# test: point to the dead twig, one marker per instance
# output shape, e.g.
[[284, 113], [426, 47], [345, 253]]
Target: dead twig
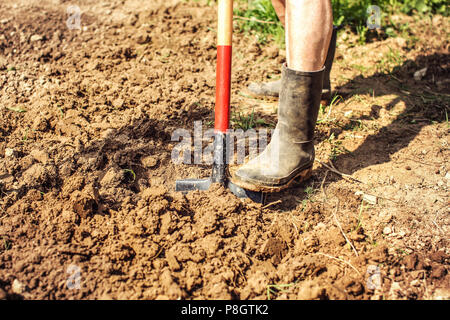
[[342, 231], [321, 185], [346, 176], [433, 164], [253, 20], [340, 260], [271, 204], [157, 254]]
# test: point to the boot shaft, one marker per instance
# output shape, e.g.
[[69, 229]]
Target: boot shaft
[[299, 103]]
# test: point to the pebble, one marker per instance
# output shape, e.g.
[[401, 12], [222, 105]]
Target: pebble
[[387, 230], [370, 199], [419, 74], [9, 152], [17, 287], [149, 161], [36, 37]]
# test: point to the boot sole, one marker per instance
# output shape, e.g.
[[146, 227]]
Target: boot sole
[[304, 175]]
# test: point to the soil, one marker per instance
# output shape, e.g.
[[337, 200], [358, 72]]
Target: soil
[[87, 202]]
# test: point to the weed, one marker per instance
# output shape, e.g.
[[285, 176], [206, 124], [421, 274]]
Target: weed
[[390, 61], [17, 109], [276, 288], [335, 99], [6, 243], [336, 147], [132, 173], [25, 136], [259, 18], [246, 122]]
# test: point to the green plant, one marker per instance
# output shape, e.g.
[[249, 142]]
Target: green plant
[[390, 61], [6, 243], [276, 288], [259, 18], [132, 173], [246, 122], [17, 109]]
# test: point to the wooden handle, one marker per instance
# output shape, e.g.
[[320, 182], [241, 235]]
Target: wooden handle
[[223, 71], [225, 23]]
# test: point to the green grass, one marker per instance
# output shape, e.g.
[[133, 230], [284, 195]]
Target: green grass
[[6, 243], [17, 109], [273, 289], [245, 122], [132, 173], [258, 18]]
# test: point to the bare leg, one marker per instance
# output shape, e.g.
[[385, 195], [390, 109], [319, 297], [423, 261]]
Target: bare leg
[[280, 9], [309, 25]]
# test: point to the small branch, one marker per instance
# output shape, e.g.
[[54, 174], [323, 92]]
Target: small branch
[[271, 204], [342, 231], [347, 176], [321, 185], [338, 259], [253, 20]]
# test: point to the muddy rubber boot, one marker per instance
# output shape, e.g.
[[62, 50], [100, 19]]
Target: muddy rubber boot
[[272, 89], [290, 153]]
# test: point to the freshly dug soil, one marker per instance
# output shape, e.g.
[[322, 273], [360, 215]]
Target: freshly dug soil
[[87, 202]]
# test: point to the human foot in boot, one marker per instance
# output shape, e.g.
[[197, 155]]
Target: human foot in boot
[[272, 89], [290, 153]]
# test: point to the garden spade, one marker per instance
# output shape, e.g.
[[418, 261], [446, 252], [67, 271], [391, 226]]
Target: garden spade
[[222, 112]]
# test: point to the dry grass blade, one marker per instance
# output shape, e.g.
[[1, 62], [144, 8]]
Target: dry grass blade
[[340, 260], [332, 169], [342, 231], [253, 20], [271, 204]]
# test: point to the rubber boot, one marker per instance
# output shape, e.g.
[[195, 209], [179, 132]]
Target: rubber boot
[[290, 153], [272, 89]]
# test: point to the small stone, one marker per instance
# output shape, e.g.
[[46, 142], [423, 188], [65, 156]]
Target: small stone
[[447, 176], [401, 41], [149, 161], [408, 168], [419, 74], [9, 152], [143, 38], [401, 234], [387, 230], [118, 103], [348, 114], [370, 199], [36, 37], [17, 287]]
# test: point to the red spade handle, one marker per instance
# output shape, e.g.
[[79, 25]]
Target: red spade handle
[[223, 70]]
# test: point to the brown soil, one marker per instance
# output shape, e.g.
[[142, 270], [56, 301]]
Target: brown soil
[[86, 177]]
